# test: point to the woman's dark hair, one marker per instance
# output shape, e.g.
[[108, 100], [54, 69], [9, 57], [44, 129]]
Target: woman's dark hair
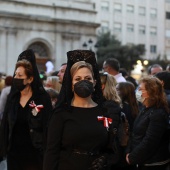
[[155, 91], [27, 66], [8, 81], [165, 77], [27, 58], [127, 90], [113, 63]]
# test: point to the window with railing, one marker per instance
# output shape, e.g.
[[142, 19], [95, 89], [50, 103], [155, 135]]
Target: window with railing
[[130, 9], [153, 48], [142, 11], [105, 26], [153, 13], [153, 31], [117, 27], [117, 7], [105, 6], [142, 29], [130, 27]]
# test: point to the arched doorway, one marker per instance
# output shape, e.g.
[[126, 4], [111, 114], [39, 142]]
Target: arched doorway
[[42, 54]]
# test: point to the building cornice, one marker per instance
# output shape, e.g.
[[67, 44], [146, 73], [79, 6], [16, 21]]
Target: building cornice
[[66, 6], [46, 19]]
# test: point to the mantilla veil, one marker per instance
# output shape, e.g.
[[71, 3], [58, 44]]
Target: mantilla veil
[[37, 88], [66, 93], [36, 84]]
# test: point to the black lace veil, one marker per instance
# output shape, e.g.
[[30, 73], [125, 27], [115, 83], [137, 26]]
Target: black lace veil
[[66, 93], [36, 85]]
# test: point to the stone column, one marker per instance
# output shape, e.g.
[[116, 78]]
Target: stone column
[[59, 51], [10, 51], [3, 50]]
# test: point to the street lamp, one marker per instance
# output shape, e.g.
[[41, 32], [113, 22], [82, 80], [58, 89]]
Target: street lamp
[[145, 62], [88, 45]]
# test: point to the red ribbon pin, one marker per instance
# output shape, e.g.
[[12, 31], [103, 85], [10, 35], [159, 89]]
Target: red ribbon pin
[[105, 120], [37, 107]]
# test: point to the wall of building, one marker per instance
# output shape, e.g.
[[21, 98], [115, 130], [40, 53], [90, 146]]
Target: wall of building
[[135, 22], [60, 25]]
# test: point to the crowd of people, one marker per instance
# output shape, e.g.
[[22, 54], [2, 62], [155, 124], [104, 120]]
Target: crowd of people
[[83, 119]]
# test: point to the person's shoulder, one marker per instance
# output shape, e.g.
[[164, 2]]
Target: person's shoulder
[[63, 109], [158, 113], [112, 107], [60, 113], [42, 96], [120, 78], [110, 103]]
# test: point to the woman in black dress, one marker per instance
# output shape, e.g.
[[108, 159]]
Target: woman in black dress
[[23, 130], [78, 130]]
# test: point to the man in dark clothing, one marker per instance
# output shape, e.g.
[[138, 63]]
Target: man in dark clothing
[[164, 76]]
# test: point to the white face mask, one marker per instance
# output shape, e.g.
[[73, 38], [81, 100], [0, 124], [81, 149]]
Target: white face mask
[[139, 96]]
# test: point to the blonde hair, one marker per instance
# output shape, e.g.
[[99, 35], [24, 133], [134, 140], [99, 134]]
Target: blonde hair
[[109, 91], [80, 64], [54, 82]]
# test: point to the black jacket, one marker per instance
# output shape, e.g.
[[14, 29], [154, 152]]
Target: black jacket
[[149, 141], [37, 124]]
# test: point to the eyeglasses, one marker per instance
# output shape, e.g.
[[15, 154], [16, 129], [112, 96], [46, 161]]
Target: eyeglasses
[[141, 89]]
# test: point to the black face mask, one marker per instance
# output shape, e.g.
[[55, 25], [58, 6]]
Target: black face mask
[[19, 84], [83, 88]]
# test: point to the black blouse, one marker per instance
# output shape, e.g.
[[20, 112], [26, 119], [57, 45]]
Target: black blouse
[[21, 140], [76, 130]]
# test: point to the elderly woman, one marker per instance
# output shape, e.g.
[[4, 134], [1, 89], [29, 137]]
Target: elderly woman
[[148, 148]]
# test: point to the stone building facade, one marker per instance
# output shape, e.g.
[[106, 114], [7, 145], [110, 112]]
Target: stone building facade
[[53, 27], [50, 28]]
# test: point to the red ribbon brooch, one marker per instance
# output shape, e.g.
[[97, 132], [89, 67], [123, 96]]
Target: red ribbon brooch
[[36, 108], [107, 121]]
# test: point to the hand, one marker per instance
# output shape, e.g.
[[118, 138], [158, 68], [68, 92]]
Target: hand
[[127, 158], [98, 163]]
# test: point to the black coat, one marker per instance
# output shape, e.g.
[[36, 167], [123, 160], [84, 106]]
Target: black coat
[[149, 141], [37, 124]]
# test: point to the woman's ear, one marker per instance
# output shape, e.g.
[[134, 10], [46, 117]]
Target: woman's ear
[[94, 83], [162, 82], [103, 86], [31, 79]]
